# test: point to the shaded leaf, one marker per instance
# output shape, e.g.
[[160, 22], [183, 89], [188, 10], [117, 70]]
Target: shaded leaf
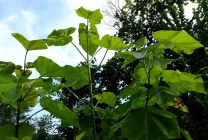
[[155, 124], [141, 42], [59, 110]]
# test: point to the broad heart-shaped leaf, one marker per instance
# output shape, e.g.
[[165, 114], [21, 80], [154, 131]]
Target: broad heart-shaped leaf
[[59, 110], [8, 131], [131, 56], [111, 43], [155, 72], [151, 124], [60, 37], [181, 40], [94, 17], [183, 82], [7, 67], [108, 98], [141, 42], [46, 67], [30, 45], [76, 77], [8, 88], [92, 35]]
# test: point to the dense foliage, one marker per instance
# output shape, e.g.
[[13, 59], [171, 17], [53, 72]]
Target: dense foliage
[[138, 112]]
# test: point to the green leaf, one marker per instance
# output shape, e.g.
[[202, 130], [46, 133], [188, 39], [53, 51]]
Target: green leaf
[[25, 130], [165, 96], [182, 41], [111, 43], [7, 67], [131, 56], [30, 45], [60, 111], [76, 77], [94, 17], [132, 89], [46, 67], [108, 98], [8, 88], [155, 124], [183, 82], [10, 138], [141, 75], [60, 37], [92, 35], [122, 109], [7, 130], [80, 136], [141, 42], [186, 134]]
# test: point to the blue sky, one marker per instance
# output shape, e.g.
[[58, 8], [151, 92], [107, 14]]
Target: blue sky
[[35, 19]]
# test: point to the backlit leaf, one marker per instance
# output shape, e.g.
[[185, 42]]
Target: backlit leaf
[[108, 98], [59, 110]]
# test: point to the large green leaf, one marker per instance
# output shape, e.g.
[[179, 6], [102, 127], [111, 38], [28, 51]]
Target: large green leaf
[[151, 124], [111, 43], [94, 17], [92, 35], [46, 67], [60, 37], [142, 75], [181, 40], [59, 110], [183, 82], [10, 138], [108, 98], [76, 77], [30, 45], [8, 88]]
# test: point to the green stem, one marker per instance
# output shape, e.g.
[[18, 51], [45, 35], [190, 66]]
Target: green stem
[[32, 115], [79, 51], [90, 84], [25, 63], [148, 90]]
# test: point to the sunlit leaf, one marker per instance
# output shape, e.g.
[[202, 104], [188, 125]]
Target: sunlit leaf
[[30, 45], [108, 98], [141, 42], [46, 67], [92, 35], [60, 37], [183, 82], [182, 41], [94, 17], [111, 43]]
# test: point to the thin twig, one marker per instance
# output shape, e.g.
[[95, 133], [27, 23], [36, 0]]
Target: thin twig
[[75, 95]]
